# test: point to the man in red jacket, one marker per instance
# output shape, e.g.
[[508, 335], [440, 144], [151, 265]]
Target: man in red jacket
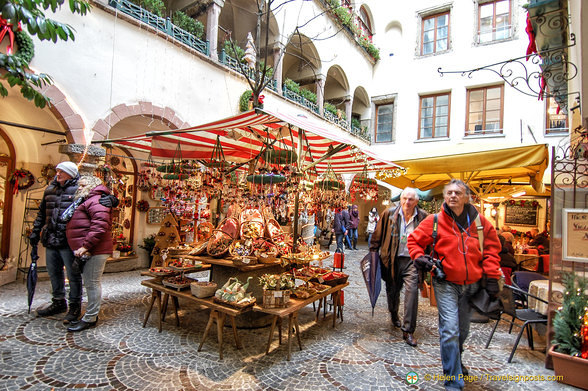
[[458, 247]]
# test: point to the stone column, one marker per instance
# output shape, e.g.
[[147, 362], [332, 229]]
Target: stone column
[[75, 152], [212, 15], [278, 66], [320, 92], [348, 109]]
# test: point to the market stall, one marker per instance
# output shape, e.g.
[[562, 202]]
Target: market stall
[[242, 196]]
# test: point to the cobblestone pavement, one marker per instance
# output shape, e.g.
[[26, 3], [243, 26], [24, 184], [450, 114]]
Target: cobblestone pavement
[[361, 353]]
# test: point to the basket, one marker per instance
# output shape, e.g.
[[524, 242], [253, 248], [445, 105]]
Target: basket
[[229, 226], [274, 230], [267, 259], [275, 299], [203, 289], [244, 261], [240, 248], [199, 248], [204, 230], [219, 243], [252, 229], [179, 251], [233, 304], [174, 285]]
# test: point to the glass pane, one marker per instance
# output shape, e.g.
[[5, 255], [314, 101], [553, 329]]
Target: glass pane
[[441, 45], [427, 122], [442, 32], [428, 24], [441, 131], [486, 10], [428, 48], [476, 95], [426, 132], [442, 20], [493, 116], [442, 100], [441, 110], [442, 120], [502, 7], [493, 104], [427, 112], [429, 36], [384, 127], [493, 93], [476, 107], [427, 102], [493, 126]]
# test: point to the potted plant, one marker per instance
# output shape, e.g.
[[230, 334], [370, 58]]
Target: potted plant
[[276, 289], [148, 244], [570, 341]]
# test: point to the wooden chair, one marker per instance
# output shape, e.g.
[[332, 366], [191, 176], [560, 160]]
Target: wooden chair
[[526, 315]]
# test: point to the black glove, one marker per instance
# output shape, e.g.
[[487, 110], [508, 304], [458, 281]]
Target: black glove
[[423, 263], [109, 201], [492, 287], [77, 265]]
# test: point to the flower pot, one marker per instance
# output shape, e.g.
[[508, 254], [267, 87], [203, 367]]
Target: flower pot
[[572, 369]]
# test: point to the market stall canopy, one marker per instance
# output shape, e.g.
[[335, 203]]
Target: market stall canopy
[[486, 171], [244, 136]]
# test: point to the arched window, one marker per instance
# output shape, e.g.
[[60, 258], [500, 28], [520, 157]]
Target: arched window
[[364, 22]]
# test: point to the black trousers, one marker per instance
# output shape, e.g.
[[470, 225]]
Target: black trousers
[[405, 275]]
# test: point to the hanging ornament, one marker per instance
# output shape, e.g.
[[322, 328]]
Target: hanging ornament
[[21, 180], [584, 335], [250, 53]]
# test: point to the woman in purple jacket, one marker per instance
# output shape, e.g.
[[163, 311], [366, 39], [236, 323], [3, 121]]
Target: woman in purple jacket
[[89, 236]]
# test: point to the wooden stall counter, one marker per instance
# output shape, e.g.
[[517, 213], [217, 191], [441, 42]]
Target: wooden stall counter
[[218, 312], [291, 311]]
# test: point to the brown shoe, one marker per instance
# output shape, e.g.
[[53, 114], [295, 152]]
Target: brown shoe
[[409, 338]]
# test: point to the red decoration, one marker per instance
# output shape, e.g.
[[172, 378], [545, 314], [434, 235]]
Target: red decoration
[[532, 48], [21, 180], [584, 335], [142, 206], [7, 28], [260, 98]]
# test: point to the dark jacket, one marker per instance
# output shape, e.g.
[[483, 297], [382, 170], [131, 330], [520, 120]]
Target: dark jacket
[[48, 226], [386, 237], [90, 225], [463, 262], [354, 217], [346, 219], [339, 224]]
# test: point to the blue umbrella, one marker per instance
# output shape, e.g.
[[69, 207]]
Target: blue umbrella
[[372, 274], [32, 276]]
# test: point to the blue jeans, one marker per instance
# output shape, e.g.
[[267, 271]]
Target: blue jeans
[[56, 259], [340, 245], [454, 325], [92, 281]]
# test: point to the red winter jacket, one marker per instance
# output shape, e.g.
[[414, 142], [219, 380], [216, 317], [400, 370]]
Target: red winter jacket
[[90, 225], [461, 266]]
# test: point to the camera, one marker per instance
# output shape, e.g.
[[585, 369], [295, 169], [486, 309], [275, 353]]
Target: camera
[[437, 268]]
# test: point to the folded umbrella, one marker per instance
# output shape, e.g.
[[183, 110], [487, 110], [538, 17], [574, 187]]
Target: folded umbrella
[[32, 276], [370, 268]]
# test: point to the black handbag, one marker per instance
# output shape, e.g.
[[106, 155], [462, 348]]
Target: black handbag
[[486, 305]]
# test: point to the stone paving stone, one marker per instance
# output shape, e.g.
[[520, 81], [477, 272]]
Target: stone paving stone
[[362, 353]]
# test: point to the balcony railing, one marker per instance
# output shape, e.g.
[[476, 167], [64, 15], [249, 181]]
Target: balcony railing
[[162, 24], [294, 97], [233, 63], [342, 122]]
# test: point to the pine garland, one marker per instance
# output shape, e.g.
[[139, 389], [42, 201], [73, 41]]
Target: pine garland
[[568, 318]]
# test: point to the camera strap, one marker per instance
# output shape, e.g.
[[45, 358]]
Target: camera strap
[[480, 229], [434, 235]]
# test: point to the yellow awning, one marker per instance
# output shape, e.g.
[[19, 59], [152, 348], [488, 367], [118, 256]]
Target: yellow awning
[[485, 171]]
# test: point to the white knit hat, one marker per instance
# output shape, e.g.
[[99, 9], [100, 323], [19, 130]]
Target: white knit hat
[[69, 168]]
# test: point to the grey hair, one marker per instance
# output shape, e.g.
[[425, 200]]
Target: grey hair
[[459, 183], [410, 190]]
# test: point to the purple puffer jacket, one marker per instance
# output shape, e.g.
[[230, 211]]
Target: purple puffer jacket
[[90, 225]]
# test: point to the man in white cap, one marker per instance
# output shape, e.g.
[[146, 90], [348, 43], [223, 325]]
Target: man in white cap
[[50, 230]]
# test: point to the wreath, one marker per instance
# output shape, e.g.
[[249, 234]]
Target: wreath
[[142, 206], [21, 180], [48, 172]]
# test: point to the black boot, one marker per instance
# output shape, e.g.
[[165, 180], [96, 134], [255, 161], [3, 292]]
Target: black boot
[[56, 307], [355, 244], [82, 325], [74, 313]]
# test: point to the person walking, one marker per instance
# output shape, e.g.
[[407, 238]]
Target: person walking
[[340, 229], [49, 229], [345, 212], [460, 228], [89, 234], [353, 225], [373, 218], [398, 270]]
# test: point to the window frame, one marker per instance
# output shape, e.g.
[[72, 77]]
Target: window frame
[[378, 106], [548, 129], [510, 21], [484, 131], [435, 96], [365, 24], [435, 16]]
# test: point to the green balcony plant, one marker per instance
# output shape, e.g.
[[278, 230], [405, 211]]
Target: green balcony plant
[[237, 53], [292, 86], [188, 24], [309, 95]]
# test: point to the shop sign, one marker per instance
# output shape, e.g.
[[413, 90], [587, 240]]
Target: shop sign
[[575, 235]]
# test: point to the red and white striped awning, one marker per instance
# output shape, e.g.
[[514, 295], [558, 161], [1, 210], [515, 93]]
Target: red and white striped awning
[[243, 136]]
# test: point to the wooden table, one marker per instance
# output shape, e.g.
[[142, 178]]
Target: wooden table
[[291, 310], [218, 312], [526, 261]]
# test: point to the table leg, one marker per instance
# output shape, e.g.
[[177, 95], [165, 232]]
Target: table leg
[[237, 340], [318, 312], [220, 322], [271, 334], [335, 304], [176, 304], [211, 318], [164, 306], [290, 321], [159, 304], [279, 330], [153, 298], [297, 330]]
